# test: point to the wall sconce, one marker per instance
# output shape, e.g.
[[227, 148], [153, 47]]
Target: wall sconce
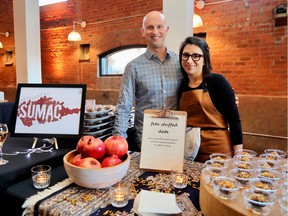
[[7, 35], [197, 21], [74, 35]]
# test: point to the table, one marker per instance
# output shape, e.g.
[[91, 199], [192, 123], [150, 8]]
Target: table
[[69, 199], [18, 151]]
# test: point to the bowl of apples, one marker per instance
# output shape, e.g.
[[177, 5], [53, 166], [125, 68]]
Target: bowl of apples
[[96, 163]]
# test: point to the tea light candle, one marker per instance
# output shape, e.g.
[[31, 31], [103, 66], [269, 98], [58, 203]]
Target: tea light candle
[[119, 194], [179, 179], [41, 176]]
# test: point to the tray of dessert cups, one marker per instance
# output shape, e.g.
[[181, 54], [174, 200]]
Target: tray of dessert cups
[[99, 111], [99, 121]]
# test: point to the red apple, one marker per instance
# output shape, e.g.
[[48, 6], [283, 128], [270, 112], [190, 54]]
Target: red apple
[[90, 162], [116, 145], [94, 148], [82, 141], [76, 159]]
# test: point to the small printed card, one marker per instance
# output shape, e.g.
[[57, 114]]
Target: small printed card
[[163, 140], [155, 203]]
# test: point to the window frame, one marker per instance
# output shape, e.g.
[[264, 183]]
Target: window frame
[[114, 50]]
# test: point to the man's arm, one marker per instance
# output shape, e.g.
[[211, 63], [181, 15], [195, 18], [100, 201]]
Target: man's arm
[[124, 103]]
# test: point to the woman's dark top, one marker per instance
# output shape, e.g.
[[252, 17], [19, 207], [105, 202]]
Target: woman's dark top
[[223, 98]]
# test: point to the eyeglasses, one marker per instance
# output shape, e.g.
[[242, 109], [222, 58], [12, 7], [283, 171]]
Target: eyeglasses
[[194, 56]]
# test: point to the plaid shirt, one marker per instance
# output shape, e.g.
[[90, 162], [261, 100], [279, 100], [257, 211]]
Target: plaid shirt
[[147, 83]]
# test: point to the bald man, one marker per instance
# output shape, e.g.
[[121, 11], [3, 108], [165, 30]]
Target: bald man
[[150, 81]]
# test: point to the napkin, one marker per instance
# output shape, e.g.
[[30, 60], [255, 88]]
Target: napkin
[[151, 203]]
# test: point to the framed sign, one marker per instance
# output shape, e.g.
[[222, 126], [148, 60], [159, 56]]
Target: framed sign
[[49, 110], [163, 140]]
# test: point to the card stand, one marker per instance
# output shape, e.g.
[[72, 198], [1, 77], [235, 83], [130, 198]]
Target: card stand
[[52, 140]]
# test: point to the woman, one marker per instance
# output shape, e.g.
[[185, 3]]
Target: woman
[[209, 101]]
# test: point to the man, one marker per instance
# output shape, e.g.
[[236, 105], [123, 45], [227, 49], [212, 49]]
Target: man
[[150, 81]]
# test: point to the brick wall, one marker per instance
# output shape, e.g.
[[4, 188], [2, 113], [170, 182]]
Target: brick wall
[[245, 45]]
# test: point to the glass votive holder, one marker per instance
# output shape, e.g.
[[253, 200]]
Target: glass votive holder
[[41, 175], [179, 178], [119, 194]]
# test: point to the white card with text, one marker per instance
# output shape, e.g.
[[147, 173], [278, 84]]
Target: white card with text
[[163, 140]]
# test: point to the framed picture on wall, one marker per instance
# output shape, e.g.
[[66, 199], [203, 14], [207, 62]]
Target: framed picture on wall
[[49, 110]]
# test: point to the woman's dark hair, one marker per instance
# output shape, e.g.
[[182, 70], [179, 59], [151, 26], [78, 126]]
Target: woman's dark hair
[[207, 67]]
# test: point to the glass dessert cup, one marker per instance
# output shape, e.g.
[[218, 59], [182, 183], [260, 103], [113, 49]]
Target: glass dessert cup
[[267, 164], [269, 174], [264, 185], [244, 158], [209, 173], [277, 152], [284, 188], [257, 202], [284, 167], [215, 164], [225, 187], [246, 152], [283, 203], [219, 158], [238, 164], [271, 157], [242, 176]]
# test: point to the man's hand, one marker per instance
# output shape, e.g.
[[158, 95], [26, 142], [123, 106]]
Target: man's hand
[[237, 101]]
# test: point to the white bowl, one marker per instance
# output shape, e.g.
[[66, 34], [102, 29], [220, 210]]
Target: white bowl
[[95, 178]]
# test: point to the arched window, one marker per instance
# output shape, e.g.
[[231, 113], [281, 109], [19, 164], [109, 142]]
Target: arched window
[[113, 62]]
